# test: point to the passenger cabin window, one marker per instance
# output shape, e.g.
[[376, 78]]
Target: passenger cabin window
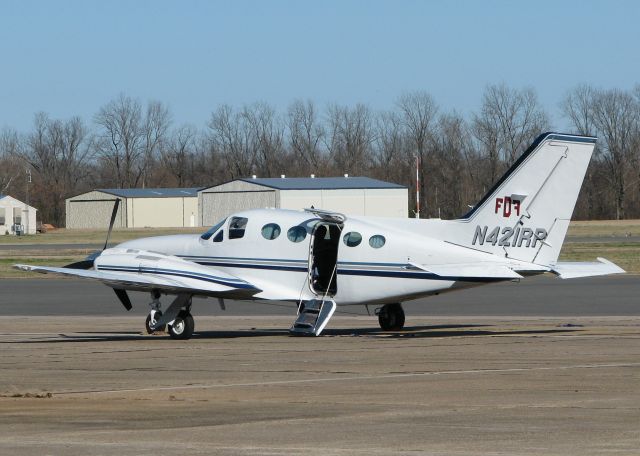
[[376, 241], [271, 231], [2, 212], [352, 239], [237, 226], [297, 233], [211, 231]]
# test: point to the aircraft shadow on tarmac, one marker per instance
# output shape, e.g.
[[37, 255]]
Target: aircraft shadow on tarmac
[[409, 332]]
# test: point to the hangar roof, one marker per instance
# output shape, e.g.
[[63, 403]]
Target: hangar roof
[[151, 192], [320, 183]]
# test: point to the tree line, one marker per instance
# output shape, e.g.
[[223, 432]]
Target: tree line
[[129, 144]]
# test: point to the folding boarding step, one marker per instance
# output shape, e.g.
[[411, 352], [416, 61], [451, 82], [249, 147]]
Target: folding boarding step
[[314, 317]]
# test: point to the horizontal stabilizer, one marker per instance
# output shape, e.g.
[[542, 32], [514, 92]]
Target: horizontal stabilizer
[[573, 270], [480, 270]]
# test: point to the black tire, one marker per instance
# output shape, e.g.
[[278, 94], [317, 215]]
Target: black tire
[[157, 314], [182, 327], [391, 317]]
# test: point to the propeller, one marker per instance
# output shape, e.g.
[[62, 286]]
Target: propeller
[[87, 263]]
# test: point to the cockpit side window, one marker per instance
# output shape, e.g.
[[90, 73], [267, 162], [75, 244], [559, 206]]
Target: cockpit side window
[[237, 227], [211, 231], [219, 237]]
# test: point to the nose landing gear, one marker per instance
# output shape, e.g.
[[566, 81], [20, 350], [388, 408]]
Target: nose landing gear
[[391, 317], [155, 313]]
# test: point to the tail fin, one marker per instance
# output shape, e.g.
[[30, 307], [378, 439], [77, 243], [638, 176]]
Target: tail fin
[[525, 216]]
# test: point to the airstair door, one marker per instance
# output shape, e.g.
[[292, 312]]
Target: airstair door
[[323, 259], [314, 316]]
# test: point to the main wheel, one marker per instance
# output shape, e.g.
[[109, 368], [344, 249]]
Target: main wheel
[[182, 327], [391, 317], [153, 317]]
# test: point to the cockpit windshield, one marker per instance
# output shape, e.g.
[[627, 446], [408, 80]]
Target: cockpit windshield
[[211, 231]]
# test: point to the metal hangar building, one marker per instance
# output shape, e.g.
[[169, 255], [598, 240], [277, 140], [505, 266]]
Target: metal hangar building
[[349, 195], [139, 208]]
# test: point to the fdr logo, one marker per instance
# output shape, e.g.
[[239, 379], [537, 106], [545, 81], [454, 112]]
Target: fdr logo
[[506, 206]]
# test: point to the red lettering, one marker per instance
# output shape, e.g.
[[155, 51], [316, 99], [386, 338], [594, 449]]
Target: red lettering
[[507, 207], [498, 204], [516, 205]]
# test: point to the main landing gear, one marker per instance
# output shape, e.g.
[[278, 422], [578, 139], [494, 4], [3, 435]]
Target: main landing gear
[[391, 317], [177, 317]]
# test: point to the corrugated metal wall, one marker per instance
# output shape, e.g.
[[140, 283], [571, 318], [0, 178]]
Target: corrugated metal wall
[[216, 203], [93, 210]]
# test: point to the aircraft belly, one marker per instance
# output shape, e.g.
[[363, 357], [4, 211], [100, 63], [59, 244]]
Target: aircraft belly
[[371, 290]]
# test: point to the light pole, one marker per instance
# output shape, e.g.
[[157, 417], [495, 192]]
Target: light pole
[[26, 224], [417, 186]]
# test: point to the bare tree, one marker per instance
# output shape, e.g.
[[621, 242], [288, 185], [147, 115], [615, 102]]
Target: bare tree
[[453, 175], [230, 136], [178, 154], [156, 124], [613, 115], [128, 140], [616, 117], [350, 137], [265, 131], [418, 111], [10, 163], [58, 151], [508, 122], [577, 106], [306, 134]]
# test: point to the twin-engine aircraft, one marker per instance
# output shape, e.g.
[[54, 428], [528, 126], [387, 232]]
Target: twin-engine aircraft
[[320, 259]]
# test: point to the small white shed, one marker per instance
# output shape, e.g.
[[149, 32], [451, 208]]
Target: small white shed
[[16, 217]]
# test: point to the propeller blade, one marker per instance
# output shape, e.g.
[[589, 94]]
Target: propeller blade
[[113, 219], [123, 297]]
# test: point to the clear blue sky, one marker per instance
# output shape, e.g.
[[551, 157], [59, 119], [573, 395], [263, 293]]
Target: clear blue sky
[[71, 57]]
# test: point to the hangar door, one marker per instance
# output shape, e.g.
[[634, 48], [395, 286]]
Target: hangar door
[[218, 205], [93, 214]]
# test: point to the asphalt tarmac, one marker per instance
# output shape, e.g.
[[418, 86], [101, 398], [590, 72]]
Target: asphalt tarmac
[[544, 366], [74, 386], [537, 296]]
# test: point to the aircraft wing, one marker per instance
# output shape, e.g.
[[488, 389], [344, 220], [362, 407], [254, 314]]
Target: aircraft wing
[[573, 270], [479, 270], [145, 271]]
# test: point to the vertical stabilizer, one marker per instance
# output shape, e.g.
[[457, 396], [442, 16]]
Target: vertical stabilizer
[[525, 216]]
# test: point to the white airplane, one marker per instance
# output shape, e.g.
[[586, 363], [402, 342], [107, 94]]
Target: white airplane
[[318, 259]]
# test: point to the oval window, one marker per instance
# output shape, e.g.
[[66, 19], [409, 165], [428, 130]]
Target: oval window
[[297, 233], [352, 239], [376, 241], [271, 231]]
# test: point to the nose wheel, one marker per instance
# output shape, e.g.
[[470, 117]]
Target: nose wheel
[[391, 317], [151, 321]]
